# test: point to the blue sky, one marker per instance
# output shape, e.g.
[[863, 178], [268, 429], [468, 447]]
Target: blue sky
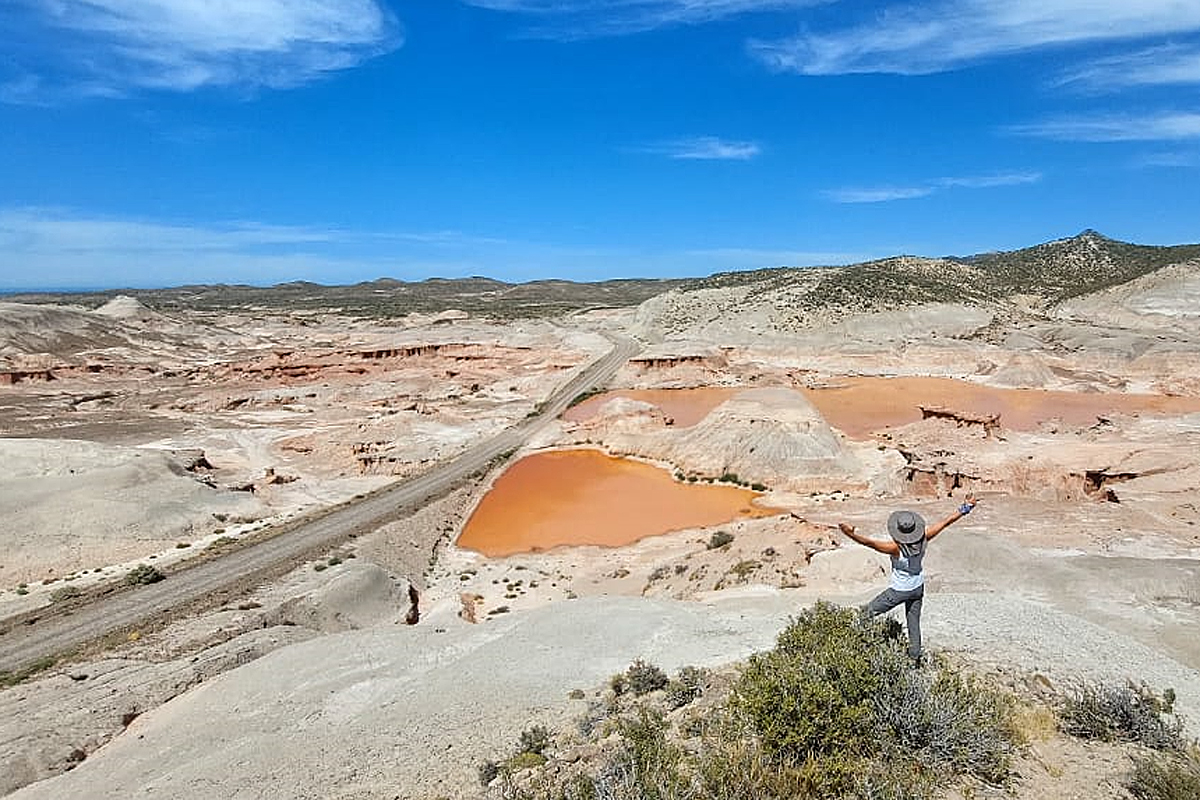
[[161, 142]]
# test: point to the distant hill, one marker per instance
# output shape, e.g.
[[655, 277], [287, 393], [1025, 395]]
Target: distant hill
[[1077, 266], [387, 297], [1053, 271]]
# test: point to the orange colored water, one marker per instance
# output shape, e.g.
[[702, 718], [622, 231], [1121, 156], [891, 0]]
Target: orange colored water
[[860, 405], [685, 406], [576, 497]]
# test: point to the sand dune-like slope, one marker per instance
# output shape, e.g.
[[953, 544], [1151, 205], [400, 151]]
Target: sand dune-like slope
[[71, 505]]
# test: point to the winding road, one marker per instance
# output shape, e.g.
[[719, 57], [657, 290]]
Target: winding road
[[54, 632]]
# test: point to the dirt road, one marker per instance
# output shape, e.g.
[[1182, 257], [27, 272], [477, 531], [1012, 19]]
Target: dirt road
[[53, 632]]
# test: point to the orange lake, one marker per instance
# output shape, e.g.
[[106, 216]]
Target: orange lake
[[858, 406], [585, 497]]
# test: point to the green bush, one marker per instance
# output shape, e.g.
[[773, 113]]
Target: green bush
[[719, 539], [814, 693], [646, 765], [952, 721], [64, 593], [838, 683], [834, 712], [524, 760], [534, 740], [1165, 777], [685, 688], [1129, 713], [143, 574], [643, 678]]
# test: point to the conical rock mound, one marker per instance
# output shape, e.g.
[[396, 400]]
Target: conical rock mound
[[1024, 371], [125, 307], [771, 436]]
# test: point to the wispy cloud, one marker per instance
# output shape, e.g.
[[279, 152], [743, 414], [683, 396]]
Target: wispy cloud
[[912, 39], [1156, 66], [112, 47], [1172, 126], [884, 194], [989, 181], [705, 148], [877, 194], [575, 19], [1169, 159], [62, 248]]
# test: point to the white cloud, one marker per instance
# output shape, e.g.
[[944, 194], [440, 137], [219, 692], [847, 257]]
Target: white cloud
[[57, 248], [989, 181], [1156, 66], [109, 47], [706, 148], [60, 248], [919, 39], [585, 18], [878, 194], [1177, 159], [1172, 126], [884, 194]]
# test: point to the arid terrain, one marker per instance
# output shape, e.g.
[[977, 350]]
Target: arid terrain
[[1059, 384]]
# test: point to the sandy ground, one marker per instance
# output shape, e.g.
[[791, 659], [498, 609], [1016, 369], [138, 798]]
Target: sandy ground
[[1081, 562], [168, 432]]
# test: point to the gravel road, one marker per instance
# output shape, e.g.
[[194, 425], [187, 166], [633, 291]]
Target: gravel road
[[52, 633]]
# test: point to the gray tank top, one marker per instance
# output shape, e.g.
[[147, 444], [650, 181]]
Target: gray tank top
[[907, 567]]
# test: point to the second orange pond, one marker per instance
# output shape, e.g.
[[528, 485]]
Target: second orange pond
[[857, 406]]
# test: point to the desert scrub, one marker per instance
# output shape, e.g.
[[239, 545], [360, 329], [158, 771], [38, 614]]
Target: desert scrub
[[837, 683], [719, 539], [643, 678], [143, 574], [534, 740], [64, 593], [528, 754], [1165, 777], [816, 718], [1129, 713], [685, 687]]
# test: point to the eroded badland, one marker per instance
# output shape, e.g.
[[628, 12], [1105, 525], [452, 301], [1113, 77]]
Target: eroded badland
[[1060, 384]]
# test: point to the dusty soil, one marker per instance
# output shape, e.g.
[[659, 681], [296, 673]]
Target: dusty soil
[[167, 432], [1081, 562]]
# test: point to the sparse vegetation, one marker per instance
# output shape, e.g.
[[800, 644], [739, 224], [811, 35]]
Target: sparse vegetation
[[142, 575], [834, 711], [13, 678], [1129, 713], [743, 569], [643, 678], [685, 687], [530, 747], [534, 740], [719, 539], [64, 593], [1165, 777], [585, 395]]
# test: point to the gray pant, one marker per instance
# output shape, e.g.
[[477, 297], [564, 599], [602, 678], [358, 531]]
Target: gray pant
[[888, 599]]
